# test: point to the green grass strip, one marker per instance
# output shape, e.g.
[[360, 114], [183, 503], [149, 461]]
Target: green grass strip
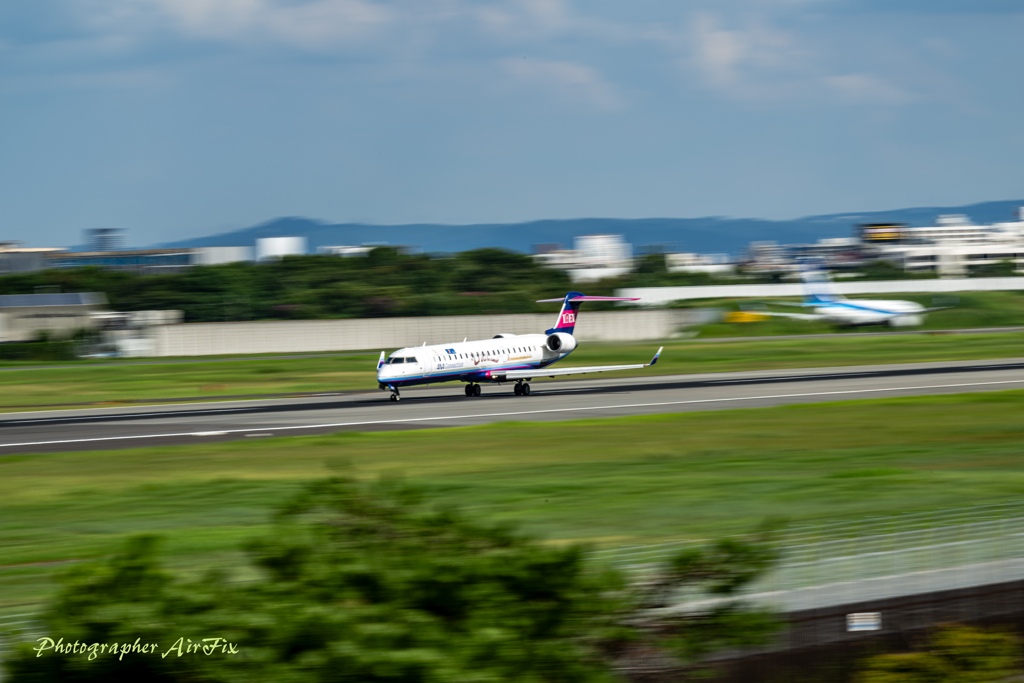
[[609, 482], [20, 389]]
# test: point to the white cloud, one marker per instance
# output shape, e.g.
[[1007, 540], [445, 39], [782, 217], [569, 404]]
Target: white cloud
[[867, 89], [315, 24], [547, 14], [570, 81], [750, 59], [517, 19], [745, 61]]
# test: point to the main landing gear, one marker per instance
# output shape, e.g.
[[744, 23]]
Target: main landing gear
[[521, 389], [473, 390]]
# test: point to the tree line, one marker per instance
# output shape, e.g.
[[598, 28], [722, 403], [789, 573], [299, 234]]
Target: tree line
[[384, 283]]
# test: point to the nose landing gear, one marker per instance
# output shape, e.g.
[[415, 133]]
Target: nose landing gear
[[395, 396]]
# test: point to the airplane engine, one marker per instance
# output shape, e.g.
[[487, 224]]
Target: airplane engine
[[561, 342]]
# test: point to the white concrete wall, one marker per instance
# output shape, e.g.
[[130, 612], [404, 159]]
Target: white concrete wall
[[209, 256], [660, 296], [306, 336]]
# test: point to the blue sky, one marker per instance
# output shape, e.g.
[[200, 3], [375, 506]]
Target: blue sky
[[178, 118]]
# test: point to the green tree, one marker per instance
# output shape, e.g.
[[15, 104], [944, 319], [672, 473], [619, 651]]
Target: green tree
[[371, 583], [956, 654], [886, 270], [1003, 268]]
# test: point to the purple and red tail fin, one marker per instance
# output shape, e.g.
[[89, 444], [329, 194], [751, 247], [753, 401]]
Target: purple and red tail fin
[[571, 308]]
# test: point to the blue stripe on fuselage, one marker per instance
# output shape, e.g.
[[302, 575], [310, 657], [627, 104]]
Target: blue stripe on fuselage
[[475, 374], [843, 304]]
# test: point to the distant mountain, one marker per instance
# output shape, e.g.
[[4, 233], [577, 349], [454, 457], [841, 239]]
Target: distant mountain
[[705, 235]]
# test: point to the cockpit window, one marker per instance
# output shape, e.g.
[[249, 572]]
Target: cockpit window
[[395, 360]]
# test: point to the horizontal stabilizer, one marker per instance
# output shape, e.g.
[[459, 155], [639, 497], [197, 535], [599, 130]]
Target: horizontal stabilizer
[[796, 316], [590, 298]]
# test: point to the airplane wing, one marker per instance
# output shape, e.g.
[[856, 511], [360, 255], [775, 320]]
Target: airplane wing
[[555, 372], [797, 316]]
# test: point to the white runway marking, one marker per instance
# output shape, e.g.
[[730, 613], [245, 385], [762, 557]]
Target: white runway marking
[[174, 413], [522, 412], [758, 380]]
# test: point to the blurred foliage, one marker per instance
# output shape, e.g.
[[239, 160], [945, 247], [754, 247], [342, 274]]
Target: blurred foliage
[[384, 283], [44, 350], [372, 583], [886, 270], [955, 654], [387, 283], [1004, 268]]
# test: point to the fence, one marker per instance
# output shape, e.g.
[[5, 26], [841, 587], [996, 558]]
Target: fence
[[875, 558], [661, 296], [304, 336], [23, 628], [964, 561]]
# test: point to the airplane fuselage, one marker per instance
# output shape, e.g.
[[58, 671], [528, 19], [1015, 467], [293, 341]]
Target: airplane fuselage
[[479, 361], [871, 312]]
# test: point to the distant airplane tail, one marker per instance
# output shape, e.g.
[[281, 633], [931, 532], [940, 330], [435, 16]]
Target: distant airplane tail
[[571, 308], [818, 287]]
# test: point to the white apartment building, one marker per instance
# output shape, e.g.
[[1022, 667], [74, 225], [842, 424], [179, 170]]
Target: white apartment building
[[688, 262], [595, 257], [953, 245]]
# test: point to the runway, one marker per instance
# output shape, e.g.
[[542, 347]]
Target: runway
[[446, 406]]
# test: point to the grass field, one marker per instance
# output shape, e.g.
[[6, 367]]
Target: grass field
[[609, 482], [81, 383]]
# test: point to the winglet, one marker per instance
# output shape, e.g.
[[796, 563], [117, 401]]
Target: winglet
[[380, 361], [655, 359]]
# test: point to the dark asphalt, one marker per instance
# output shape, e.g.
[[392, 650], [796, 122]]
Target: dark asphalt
[[445, 405]]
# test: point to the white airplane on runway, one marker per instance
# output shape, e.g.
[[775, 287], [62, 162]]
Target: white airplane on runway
[[504, 358], [835, 308]]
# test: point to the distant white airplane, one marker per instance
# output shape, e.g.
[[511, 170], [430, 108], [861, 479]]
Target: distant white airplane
[[835, 308], [504, 358]]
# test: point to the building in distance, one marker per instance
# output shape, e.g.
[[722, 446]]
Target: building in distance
[[106, 239], [150, 261], [15, 258], [363, 249], [953, 247], [24, 316], [594, 257]]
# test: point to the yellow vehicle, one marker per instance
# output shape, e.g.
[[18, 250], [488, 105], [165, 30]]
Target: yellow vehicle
[[744, 317]]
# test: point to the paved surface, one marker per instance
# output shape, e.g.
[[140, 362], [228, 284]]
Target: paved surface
[[293, 356], [446, 406]]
